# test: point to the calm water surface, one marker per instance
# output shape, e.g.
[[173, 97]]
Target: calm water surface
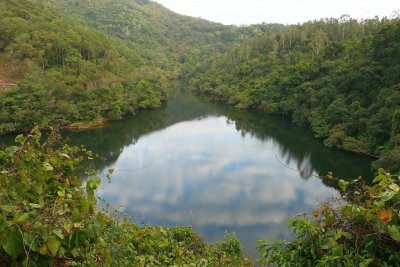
[[214, 168]]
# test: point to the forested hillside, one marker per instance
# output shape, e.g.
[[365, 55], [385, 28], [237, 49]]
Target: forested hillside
[[165, 38], [341, 78], [67, 72], [78, 63]]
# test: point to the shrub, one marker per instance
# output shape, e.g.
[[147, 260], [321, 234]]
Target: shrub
[[46, 216], [364, 231]]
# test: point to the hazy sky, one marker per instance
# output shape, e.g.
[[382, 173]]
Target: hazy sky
[[283, 11]]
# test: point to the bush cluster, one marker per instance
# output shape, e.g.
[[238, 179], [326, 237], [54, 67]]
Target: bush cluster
[[363, 231]]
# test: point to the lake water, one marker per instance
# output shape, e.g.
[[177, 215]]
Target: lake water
[[214, 168]]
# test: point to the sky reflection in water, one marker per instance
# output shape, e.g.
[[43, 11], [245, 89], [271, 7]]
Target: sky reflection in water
[[229, 181]]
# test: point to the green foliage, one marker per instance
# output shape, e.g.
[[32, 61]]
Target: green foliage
[[338, 138], [158, 33], [340, 77], [46, 218], [68, 72], [49, 217], [364, 231], [84, 62], [389, 159], [160, 246]]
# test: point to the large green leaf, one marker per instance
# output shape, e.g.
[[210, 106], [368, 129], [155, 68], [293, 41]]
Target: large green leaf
[[10, 151], [12, 244], [20, 139], [343, 184], [47, 166], [394, 232], [78, 238], [53, 245], [38, 187], [387, 195], [58, 233], [93, 183]]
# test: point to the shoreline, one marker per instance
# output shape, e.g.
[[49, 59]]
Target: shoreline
[[86, 125]]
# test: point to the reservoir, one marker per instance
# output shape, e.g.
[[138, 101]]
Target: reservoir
[[216, 169]]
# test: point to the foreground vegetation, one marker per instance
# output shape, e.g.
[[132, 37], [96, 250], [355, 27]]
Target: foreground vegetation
[[49, 216], [364, 231]]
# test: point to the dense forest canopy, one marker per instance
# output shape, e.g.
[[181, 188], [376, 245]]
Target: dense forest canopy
[[67, 72], [340, 77], [161, 35]]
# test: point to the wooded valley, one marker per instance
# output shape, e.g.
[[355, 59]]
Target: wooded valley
[[80, 63]]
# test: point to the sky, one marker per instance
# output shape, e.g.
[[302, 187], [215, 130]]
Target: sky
[[245, 12]]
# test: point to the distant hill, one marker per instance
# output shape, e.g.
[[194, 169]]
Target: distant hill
[[162, 36]]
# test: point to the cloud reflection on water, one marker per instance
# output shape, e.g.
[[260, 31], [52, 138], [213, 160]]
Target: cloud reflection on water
[[228, 180]]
